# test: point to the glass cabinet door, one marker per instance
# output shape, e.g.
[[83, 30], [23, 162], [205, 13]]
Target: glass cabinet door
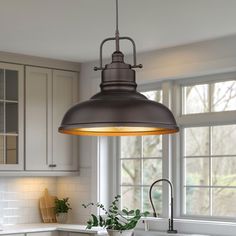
[[11, 117]]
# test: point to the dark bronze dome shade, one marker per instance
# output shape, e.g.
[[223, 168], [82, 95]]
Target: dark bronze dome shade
[[118, 110]]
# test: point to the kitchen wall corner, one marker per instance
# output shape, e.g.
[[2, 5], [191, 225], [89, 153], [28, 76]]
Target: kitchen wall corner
[[78, 189]]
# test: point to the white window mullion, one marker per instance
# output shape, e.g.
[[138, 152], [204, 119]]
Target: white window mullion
[[117, 161], [210, 97], [141, 169], [183, 175], [176, 150], [4, 119], [166, 150], [210, 170]]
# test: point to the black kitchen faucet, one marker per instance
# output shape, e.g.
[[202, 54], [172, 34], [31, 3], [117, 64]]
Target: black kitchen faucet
[[171, 221]]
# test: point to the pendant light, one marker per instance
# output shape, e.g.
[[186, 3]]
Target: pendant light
[[118, 109]]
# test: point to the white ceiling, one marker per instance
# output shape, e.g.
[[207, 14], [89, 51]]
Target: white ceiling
[[73, 29]]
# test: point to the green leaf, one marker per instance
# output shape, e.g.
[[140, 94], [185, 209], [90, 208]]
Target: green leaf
[[146, 213], [101, 221], [95, 220], [137, 212], [108, 221], [125, 211], [89, 224]]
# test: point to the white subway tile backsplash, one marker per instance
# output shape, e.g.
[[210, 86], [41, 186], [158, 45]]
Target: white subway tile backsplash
[[19, 197]]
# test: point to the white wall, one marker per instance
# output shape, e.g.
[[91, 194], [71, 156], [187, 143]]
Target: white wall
[[202, 58]]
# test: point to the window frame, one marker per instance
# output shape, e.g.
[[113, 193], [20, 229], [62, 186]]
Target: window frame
[[197, 120], [172, 164]]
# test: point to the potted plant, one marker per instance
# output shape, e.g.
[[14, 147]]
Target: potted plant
[[62, 206], [116, 222]]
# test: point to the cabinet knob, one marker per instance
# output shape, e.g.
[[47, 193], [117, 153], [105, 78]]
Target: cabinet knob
[[52, 165]]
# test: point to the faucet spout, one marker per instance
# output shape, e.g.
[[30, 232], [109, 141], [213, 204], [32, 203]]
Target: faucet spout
[[171, 220]]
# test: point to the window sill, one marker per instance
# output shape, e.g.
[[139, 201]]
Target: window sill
[[216, 228]]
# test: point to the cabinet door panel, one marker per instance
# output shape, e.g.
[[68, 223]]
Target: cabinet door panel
[[11, 123], [79, 234], [11, 117], [11, 85], [65, 90], [2, 84], [38, 145], [14, 235], [63, 234]]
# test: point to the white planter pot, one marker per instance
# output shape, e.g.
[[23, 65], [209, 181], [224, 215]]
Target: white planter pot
[[62, 217], [112, 232]]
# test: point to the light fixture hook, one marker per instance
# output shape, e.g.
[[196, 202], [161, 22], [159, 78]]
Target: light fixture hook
[[117, 39]]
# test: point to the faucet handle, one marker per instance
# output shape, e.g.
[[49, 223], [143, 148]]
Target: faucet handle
[[169, 224], [171, 229]]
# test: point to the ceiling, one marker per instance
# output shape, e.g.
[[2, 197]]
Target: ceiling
[[73, 29]]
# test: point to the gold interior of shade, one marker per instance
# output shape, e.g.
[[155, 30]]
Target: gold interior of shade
[[118, 131]]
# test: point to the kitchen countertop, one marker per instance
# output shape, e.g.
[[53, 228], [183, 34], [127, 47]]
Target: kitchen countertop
[[31, 228]]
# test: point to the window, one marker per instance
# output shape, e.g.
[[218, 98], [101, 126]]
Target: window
[[208, 153], [212, 97], [141, 164], [200, 160]]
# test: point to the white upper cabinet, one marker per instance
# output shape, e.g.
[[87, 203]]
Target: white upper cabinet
[[49, 94], [11, 117], [65, 95]]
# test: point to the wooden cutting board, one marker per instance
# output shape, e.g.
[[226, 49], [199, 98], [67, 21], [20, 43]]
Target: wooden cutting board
[[47, 207]]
